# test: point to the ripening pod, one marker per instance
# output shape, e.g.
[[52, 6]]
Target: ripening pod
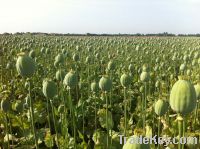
[[131, 68], [188, 72], [47, 51], [60, 58], [25, 65], [64, 51], [183, 97], [197, 90], [145, 76], [185, 58], [111, 65], [18, 106], [161, 107], [56, 64], [125, 80], [157, 84], [94, 87], [60, 75], [61, 109], [42, 50], [88, 60], [5, 105], [32, 54], [134, 143], [76, 57], [70, 79], [182, 67], [141, 89], [105, 84], [9, 65], [49, 88], [145, 68]]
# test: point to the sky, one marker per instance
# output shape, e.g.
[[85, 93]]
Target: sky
[[100, 16]]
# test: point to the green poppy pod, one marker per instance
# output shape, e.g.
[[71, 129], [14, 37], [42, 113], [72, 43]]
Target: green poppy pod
[[145, 68], [125, 80], [134, 143], [111, 65], [60, 75], [197, 90], [60, 58], [161, 107], [105, 84], [42, 50], [25, 65], [131, 68], [88, 60], [18, 106], [49, 88], [182, 67], [141, 89], [9, 65], [188, 72], [61, 109], [76, 57], [70, 79], [32, 54], [47, 51], [145, 76], [5, 105], [183, 97], [56, 64], [94, 87], [97, 55]]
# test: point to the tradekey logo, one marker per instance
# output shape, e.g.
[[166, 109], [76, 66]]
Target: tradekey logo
[[156, 140]]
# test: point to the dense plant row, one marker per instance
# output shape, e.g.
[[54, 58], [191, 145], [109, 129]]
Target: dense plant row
[[83, 92]]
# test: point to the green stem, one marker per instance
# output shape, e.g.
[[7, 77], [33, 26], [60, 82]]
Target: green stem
[[125, 115], [54, 122], [159, 123], [107, 120], [32, 117], [180, 130], [7, 131]]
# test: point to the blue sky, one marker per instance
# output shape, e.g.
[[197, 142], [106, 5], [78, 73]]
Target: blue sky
[[100, 16]]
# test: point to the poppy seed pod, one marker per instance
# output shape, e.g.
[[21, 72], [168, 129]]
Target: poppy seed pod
[[18, 106], [182, 67], [25, 66], [49, 88], [161, 107], [75, 57], [70, 79], [131, 68], [5, 105], [111, 65], [144, 77], [94, 87], [60, 58], [60, 75], [105, 84], [32, 54], [125, 80], [88, 60], [132, 144], [197, 90], [183, 97]]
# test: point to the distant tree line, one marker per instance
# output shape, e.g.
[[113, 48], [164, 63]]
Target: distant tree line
[[165, 34]]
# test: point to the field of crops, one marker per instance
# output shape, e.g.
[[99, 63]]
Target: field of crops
[[84, 92]]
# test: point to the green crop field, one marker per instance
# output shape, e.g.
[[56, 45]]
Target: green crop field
[[84, 92]]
